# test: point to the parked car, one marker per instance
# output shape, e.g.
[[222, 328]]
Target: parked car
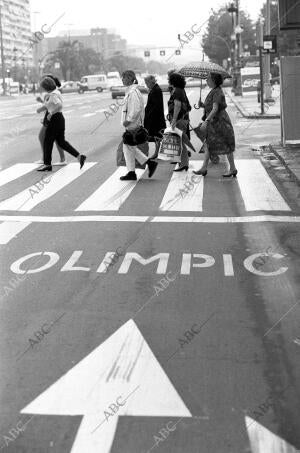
[[69, 87], [93, 82]]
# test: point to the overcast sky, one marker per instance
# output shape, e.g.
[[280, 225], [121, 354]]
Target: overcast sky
[[155, 22]]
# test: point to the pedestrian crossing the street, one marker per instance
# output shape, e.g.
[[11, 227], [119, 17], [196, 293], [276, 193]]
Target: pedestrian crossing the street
[[177, 194]]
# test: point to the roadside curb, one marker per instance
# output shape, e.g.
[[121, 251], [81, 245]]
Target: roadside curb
[[287, 167], [271, 149], [252, 116]]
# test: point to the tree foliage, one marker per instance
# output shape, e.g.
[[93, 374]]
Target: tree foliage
[[217, 41]]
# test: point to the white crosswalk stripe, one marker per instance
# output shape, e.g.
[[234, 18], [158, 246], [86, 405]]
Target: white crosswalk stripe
[[15, 172], [112, 193], [258, 191], [9, 230], [184, 192], [34, 195]]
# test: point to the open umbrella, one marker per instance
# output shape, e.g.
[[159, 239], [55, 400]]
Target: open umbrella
[[201, 70]]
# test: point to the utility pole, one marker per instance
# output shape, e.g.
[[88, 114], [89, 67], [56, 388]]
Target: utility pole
[[259, 43], [238, 58], [268, 88], [2, 54]]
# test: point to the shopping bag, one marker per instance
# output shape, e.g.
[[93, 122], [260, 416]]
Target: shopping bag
[[171, 145], [121, 159]]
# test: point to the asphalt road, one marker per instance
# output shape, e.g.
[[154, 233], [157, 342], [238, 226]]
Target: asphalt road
[[188, 341]]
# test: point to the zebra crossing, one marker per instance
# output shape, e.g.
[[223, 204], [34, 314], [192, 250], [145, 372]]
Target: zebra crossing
[[257, 190], [183, 193]]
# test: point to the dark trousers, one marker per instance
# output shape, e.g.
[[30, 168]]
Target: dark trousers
[[55, 131]]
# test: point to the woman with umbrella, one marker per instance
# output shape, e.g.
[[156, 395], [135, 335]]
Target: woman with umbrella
[[217, 129]]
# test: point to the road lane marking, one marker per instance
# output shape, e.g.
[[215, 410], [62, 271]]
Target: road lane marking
[[86, 115], [183, 194], [9, 230], [263, 440], [121, 374], [112, 193], [142, 219], [25, 201], [16, 171], [258, 191]]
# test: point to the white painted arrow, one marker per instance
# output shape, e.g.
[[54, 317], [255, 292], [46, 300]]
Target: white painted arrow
[[122, 369], [264, 441]]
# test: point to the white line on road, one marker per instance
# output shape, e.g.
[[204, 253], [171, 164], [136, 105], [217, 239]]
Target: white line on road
[[111, 194], [183, 194], [15, 172], [158, 219], [9, 230], [258, 191], [86, 115], [33, 195]]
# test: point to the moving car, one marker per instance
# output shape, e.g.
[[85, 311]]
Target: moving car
[[119, 91], [113, 79], [69, 87], [93, 82]]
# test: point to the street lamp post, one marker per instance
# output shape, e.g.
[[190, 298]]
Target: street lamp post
[[238, 30], [15, 50]]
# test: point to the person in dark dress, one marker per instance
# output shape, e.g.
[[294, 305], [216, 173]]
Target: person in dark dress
[[178, 108], [154, 120], [216, 131]]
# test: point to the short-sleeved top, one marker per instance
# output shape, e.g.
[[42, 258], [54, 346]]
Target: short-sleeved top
[[179, 95], [52, 99], [216, 95]]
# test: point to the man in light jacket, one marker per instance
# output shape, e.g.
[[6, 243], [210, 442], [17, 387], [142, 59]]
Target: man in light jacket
[[133, 114]]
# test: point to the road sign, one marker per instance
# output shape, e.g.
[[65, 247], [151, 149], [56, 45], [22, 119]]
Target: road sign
[[121, 377], [269, 44], [162, 53], [147, 53]]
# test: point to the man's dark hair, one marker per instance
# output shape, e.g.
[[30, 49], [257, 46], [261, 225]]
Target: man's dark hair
[[55, 79], [217, 79], [48, 84], [177, 80]]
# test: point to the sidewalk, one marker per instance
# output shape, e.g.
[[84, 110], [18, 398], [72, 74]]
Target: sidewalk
[[249, 108]]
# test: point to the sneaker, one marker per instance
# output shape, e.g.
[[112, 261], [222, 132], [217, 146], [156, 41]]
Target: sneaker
[[82, 160], [131, 176], [152, 165], [45, 168], [39, 161]]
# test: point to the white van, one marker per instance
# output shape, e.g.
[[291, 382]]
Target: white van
[[93, 82]]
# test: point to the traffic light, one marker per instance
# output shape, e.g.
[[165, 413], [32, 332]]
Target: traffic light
[[147, 53], [162, 53], [177, 52]]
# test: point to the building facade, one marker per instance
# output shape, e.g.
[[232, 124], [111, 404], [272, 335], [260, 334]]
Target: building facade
[[16, 33], [101, 40]]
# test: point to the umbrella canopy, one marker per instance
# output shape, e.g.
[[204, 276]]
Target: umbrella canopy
[[202, 69]]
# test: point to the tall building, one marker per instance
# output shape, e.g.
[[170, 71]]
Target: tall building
[[102, 40], [16, 33]]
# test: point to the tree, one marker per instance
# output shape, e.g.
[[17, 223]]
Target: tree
[[75, 60], [217, 42], [120, 62]]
